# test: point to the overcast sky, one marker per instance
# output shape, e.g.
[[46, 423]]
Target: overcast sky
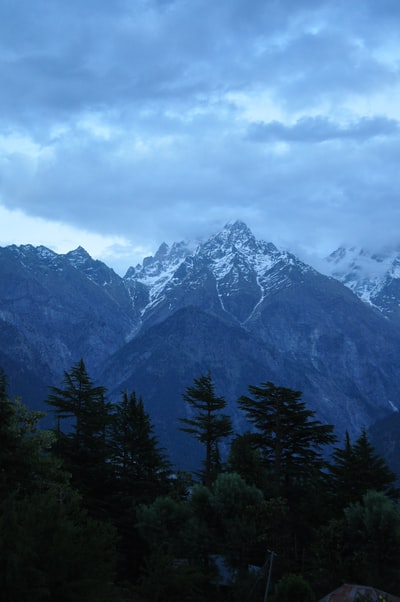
[[127, 123]]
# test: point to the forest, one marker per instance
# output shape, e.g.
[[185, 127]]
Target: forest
[[92, 509]]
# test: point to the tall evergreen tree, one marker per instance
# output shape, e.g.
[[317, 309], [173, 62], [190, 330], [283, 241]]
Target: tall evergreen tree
[[372, 470], [49, 548], [82, 402], [208, 425], [140, 466], [85, 449], [246, 460], [291, 442], [356, 469], [140, 474], [287, 434]]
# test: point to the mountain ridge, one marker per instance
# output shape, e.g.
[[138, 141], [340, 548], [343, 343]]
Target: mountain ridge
[[232, 304]]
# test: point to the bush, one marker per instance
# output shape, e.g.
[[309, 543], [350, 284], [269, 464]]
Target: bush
[[293, 587]]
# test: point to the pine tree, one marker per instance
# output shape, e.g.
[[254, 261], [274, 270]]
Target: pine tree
[[246, 460], [208, 425], [140, 467], [82, 402], [49, 547], [371, 468], [140, 474], [287, 434], [85, 448], [357, 468]]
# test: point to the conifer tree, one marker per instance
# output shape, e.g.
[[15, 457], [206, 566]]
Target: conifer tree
[[82, 406], [291, 443], [82, 402], [287, 434], [140, 467], [356, 469], [246, 460], [371, 468], [140, 474], [208, 425], [49, 548]]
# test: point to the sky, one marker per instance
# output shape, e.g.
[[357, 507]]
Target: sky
[[124, 124]]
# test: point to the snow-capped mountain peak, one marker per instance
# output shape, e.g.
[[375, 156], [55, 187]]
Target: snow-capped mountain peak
[[36, 257], [235, 235], [371, 276], [233, 261], [78, 256], [165, 261]]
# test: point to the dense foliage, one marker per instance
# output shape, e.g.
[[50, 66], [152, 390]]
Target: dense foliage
[[93, 510]]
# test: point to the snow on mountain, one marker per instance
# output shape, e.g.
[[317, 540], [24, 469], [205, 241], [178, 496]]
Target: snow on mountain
[[233, 258], [97, 271], [155, 273], [232, 304], [40, 258], [371, 276], [246, 269], [79, 257], [31, 256], [235, 248]]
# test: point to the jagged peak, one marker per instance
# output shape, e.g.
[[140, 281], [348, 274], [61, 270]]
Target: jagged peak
[[162, 251], [234, 235], [31, 249], [238, 231], [78, 253], [176, 249], [238, 226], [31, 252], [161, 266], [79, 258], [164, 255]]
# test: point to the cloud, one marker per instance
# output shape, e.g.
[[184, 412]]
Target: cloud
[[162, 120], [321, 129], [18, 228]]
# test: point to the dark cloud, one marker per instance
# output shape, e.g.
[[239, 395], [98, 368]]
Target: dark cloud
[[164, 119], [320, 129]]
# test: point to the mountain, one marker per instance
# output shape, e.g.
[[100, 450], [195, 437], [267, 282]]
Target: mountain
[[234, 305], [374, 277], [55, 309]]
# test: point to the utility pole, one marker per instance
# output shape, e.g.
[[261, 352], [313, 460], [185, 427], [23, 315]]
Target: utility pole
[[271, 559]]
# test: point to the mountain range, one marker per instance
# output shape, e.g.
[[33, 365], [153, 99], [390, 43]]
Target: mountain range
[[233, 305]]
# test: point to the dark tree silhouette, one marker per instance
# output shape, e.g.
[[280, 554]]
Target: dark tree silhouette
[[208, 425]]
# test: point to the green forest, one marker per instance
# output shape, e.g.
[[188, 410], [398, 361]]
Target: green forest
[[92, 510]]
